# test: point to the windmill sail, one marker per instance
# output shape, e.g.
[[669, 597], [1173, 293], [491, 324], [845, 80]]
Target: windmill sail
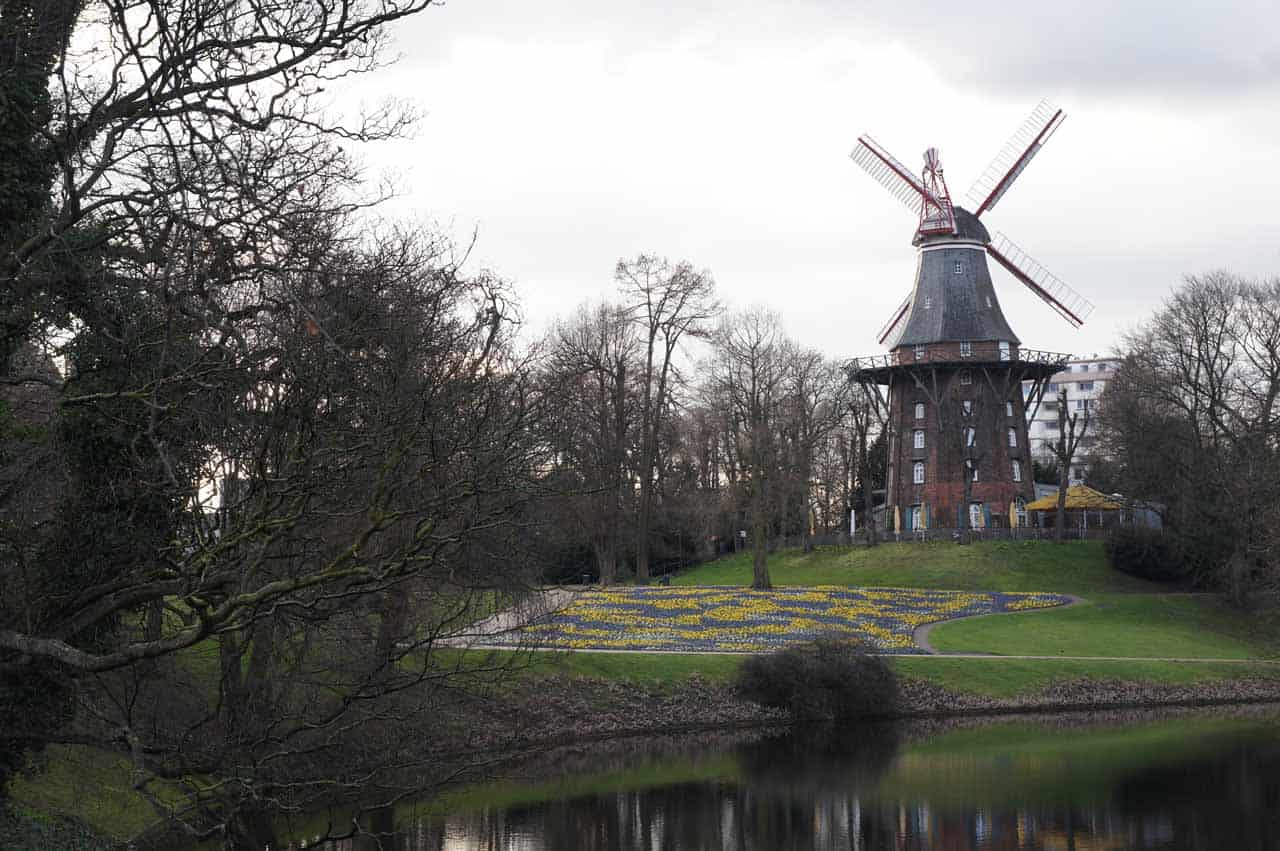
[[988, 189], [895, 321], [934, 211], [1072, 306]]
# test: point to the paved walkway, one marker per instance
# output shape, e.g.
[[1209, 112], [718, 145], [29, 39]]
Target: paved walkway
[[537, 605], [921, 635]]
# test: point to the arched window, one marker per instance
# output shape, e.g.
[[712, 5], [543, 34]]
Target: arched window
[[919, 410], [1013, 437], [919, 439], [1017, 471], [1008, 409], [917, 472]]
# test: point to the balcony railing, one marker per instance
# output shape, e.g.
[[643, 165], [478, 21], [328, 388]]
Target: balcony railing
[[1018, 357]]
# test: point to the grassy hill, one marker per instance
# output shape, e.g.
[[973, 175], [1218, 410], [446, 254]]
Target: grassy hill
[[1073, 567], [1120, 615]]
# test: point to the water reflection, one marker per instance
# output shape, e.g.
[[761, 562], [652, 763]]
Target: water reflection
[[1200, 784]]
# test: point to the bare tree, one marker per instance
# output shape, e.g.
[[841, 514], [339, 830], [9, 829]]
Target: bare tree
[[372, 437], [1071, 431], [592, 363], [867, 412], [669, 303], [1192, 417], [813, 387], [180, 231], [750, 368]]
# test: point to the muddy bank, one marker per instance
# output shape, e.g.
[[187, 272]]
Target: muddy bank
[[566, 709]]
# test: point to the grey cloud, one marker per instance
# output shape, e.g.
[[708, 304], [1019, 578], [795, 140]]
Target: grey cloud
[[1090, 45]]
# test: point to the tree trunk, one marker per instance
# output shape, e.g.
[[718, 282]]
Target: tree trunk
[[606, 561], [642, 530], [759, 544], [1060, 530], [394, 623], [867, 508], [966, 525]]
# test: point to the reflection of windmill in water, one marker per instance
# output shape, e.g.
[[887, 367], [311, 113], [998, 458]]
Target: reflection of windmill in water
[[956, 414]]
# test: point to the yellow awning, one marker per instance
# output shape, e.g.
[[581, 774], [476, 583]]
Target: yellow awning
[[1079, 498]]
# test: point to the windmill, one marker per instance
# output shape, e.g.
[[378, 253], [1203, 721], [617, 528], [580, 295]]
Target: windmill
[[956, 411], [928, 197]]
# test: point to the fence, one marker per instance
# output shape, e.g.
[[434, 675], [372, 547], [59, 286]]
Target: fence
[[1022, 533]]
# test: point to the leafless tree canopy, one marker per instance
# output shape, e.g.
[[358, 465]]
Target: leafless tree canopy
[[292, 447], [1193, 418]]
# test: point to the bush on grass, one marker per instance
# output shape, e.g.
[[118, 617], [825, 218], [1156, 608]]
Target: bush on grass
[[1146, 554], [826, 679]]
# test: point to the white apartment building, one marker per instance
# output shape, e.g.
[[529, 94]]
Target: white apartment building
[[1084, 381]]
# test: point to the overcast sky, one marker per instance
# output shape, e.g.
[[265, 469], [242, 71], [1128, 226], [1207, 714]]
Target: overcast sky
[[570, 133]]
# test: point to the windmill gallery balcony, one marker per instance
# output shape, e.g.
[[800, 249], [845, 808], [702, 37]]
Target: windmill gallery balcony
[[1031, 363]]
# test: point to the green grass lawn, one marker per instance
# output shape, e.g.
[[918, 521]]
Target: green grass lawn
[[1074, 567], [80, 782], [1136, 626]]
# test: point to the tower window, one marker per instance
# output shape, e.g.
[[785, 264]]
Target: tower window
[[965, 377], [1013, 437], [966, 348], [928, 302], [975, 470], [920, 352], [1008, 409], [967, 405], [917, 472], [1017, 471], [919, 439], [959, 267], [968, 437], [1004, 344], [919, 410]]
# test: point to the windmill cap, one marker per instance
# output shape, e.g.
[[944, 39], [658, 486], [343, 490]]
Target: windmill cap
[[968, 229]]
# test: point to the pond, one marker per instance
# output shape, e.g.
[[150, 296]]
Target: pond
[[1171, 780]]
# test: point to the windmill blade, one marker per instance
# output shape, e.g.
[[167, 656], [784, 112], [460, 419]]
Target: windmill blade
[[1014, 157], [895, 321], [1069, 304], [892, 175]]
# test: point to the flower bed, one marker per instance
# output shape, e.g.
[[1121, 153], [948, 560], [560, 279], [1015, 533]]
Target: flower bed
[[720, 619]]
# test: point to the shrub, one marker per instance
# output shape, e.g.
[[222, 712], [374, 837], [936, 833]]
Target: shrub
[[828, 678], [1147, 554]]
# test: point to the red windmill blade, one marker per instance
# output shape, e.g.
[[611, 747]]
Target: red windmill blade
[[930, 202], [988, 189], [1072, 306], [896, 320]]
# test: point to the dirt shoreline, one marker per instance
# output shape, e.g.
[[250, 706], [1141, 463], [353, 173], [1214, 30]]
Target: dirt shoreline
[[563, 710]]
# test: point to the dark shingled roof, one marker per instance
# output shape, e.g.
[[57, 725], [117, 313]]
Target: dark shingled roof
[[951, 306]]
